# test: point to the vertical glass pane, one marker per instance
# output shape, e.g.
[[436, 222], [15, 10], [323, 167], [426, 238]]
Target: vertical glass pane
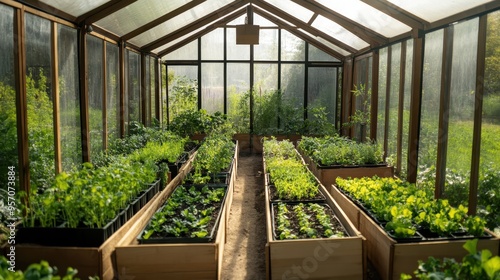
[[321, 89], [8, 124], [382, 95], [238, 96], [236, 52], [147, 91], [292, 102], [96, 87], [212, 87], [212, 45], [490, 129], [461, 115], [392, 129], [316, 54], [265, 77], [267, 49], [133, 87], [292, 47], [164, 105], [186, 52], [361, 99], [69, 97], [406, 107], [182, 90], [112, 92], [152, 64], [429, 112], [39, 101]]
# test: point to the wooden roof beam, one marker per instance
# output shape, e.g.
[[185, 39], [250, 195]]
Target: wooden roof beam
[[396, 12], [103, 11]]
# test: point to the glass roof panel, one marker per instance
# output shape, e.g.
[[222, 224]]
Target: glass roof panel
[[297, 10], [327, 43], [431, 10], [367, 16], [137, 15], [179, 21], [75, 8], [338, 32], [262, 22]]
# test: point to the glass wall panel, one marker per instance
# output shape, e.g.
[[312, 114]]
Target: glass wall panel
[[238, 96], [133, 87], [461, 115], [96, 93], [321, 89], [361, 98], [292, 102], [186, 52], [267, 49], [152, 63], [147, 91], [39, 101], [182, 89], [69, 97], [212, 45], [392, 129], [382, 95], [236, 52], [212, 87], [490, 129], [163, 101], [406, 107], [429, 112], [265, 77], [316, 54], [8, 123], [292, 47], [112, 92]]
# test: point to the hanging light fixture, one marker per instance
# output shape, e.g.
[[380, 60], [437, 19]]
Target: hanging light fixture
[[248, 33]]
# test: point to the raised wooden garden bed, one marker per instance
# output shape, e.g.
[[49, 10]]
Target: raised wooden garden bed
[[174, 260], [391, 258], [314, 258], [93, 261]]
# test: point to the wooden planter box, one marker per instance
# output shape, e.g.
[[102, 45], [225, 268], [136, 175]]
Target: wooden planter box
[[391, 258], [321, 258], [98, 261], [174, 261], [327, 175]]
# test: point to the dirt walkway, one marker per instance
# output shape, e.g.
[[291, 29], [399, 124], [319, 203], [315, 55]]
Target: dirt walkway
[[246, 237]]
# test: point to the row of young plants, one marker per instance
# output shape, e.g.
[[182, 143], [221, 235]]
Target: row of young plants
[[478, 265], [338, 150], [288, 175], [192, 212], [94, 195], [310, 220], [408, 211]]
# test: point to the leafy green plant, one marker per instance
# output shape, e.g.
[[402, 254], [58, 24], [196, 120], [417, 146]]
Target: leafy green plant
[[478, 265], [404, 205], [36, 271], [186, 213]]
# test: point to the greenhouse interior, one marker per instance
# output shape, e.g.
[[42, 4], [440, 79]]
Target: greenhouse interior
[[250, 139]]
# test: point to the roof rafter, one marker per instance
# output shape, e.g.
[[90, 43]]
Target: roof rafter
[[310, 29], [357, 29], [103, 11], [196, 24], [476, 11], [162, 19], [200, 33], [396, 12], [301, 35]]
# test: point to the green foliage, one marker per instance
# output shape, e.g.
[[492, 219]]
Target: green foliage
[[362, 114], [290, 176], [238, 112], [404, 205], [183, 95], [478, 265], [336, 150], [196, 208], [36, 271], [196, 122]]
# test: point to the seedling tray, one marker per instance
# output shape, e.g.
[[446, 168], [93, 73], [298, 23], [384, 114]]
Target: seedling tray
[[207, 239]]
